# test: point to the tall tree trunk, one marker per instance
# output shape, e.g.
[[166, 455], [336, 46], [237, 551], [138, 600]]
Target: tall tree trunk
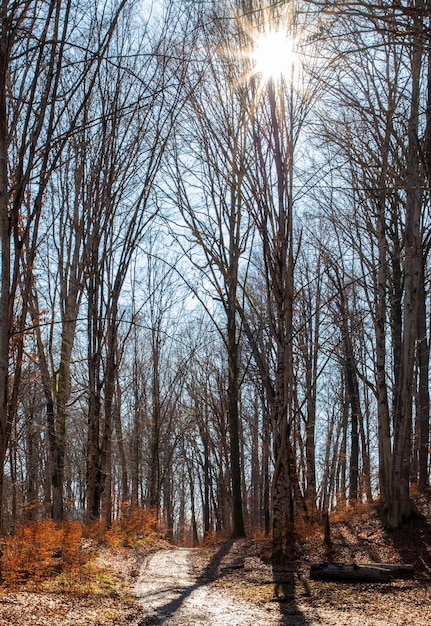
[[266, 487], [255, 470], [423, 341], [5, 251], [282, 495], [238, 528], [364, 433], [154, 460], [383, 412], [110, 380], [195, 536], [206, 504], [423, 405], [62, 391], [125, 495], [328, 470], [352, 386], [400, 504], [282, 292], [341, 473], [309, 342], [135, 444], [93, 489], [32, 429]]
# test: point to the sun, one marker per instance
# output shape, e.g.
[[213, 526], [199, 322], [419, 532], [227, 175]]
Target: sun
[[274, 54]]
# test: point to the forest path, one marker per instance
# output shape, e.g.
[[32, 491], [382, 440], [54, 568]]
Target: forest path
[[177, 587], [170, 593]]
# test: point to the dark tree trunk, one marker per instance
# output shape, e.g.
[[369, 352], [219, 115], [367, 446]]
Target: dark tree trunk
[[399, 506], [5, 250], [423, 408], [238, 528]]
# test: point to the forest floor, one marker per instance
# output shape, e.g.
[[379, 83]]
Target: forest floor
[[235, 583]]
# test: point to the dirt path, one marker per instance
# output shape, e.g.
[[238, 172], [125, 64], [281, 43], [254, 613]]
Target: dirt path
[[170, 594]]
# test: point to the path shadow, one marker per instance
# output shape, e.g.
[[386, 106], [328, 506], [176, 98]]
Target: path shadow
[[279, 578], [214, 569], [288, 587], [284, 581], [209, 574]]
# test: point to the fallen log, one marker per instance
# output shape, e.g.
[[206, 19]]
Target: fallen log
[[367, 572], [399, 570]]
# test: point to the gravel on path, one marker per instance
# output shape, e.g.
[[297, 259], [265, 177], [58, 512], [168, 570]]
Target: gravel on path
[[171, 594]]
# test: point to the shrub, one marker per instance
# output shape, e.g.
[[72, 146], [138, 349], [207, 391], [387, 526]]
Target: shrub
[[133, 528], [95, 530], [41, 549], [214, 538]]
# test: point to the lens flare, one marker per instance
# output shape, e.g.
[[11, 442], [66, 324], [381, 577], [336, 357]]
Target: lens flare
[[274, 55]]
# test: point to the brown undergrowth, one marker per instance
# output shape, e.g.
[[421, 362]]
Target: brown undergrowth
[[70, 574], [89, 581], [245, 568]]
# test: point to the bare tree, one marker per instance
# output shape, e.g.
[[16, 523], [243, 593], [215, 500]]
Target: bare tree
[[384, 179], [216, 161], [37, 42], [138, 108], [280, 111]]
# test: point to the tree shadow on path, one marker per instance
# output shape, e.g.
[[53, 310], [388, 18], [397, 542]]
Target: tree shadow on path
[[288, 585], [229, 560]]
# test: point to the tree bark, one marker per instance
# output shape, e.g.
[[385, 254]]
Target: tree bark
[[423, 406], [352, 386], [399, 504], [5, 249], [383, 412], [238, 527]]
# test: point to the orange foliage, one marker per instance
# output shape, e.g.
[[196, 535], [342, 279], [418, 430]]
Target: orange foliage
[[346, 513], [213, 538], [185, 538], [257, 534], [305, 530], [133, 528], [95, 530], [40, 550]]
